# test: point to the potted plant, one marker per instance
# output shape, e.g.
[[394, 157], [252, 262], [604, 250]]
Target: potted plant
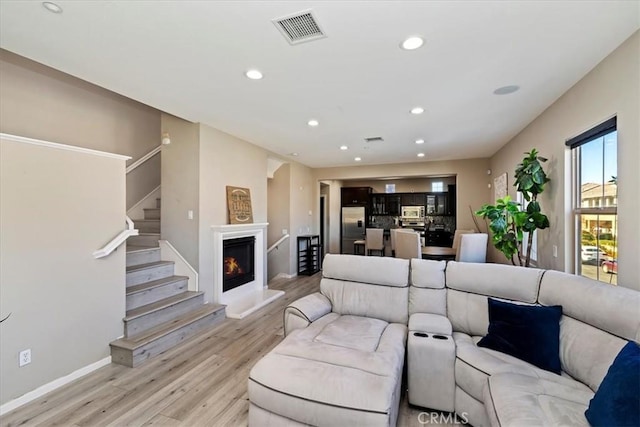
[[508, 221]]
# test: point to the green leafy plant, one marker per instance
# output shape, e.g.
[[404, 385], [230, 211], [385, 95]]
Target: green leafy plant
[[508, 221]]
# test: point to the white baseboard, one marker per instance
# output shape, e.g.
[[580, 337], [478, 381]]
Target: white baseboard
[[55, 384]]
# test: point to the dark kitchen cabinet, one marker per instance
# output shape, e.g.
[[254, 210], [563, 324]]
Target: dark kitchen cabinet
[[355, 196], [393, 204], [451, 200], [413, 199], [436, 203], [385, 204]]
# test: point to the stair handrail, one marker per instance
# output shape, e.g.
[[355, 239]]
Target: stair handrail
[[144, 158], [276, 244], [117, 241]]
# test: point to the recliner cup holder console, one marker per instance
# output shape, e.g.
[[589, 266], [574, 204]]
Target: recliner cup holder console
[[423, 335]]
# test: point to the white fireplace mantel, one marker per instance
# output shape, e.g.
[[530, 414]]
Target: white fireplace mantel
[[245, 299]]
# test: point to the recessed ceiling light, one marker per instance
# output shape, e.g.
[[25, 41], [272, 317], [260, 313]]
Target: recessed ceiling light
[[357, 159], [344, 147], [293, 154], [506, 90], [420, 154], [253, 74], [412, 43], [52, 7], [313, 123], [419, 141], [417, 110]]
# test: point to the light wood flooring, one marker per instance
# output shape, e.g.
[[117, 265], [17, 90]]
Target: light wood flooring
[[201, 383]]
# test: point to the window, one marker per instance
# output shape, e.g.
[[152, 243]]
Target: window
[[390, 188], [437, 186], [595, 171]]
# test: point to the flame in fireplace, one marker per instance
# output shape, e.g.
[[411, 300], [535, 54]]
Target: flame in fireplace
[[231, 267]]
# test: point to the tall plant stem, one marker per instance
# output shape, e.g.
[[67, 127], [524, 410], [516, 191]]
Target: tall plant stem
[[534, 197]]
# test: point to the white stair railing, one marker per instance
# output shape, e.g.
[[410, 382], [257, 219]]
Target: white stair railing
[[276, 244], [144, 158], [117, 241]]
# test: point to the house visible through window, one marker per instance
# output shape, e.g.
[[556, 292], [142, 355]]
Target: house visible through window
[[437, 186], [595, 172]]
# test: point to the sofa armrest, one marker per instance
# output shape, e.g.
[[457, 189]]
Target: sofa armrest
[[304, 311], [433, 323]]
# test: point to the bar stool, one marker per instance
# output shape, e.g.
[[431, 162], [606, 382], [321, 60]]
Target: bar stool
[[359, 247]]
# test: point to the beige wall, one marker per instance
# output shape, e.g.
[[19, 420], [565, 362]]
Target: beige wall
[[304, 209], [278, 216], [226, 160], [611, 88], [181, 187], [411, 185], [39, 102], [333, 210], [56, 208], [471, 176]]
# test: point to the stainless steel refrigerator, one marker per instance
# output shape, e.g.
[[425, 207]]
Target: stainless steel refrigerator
[[353, 227]]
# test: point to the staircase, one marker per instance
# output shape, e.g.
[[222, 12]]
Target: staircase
[[161, 312]]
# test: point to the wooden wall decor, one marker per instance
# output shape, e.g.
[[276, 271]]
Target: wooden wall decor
[[239, 205]]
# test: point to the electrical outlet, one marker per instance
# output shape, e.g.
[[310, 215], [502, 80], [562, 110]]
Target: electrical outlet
[[284, 231], [25, 357], [555, 251], [189, 214]]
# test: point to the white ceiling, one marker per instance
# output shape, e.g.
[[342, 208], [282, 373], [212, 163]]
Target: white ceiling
[[188, 58]]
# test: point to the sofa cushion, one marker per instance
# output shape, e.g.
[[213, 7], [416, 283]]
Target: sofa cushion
[[495, 280], [427, 273], [586, 352], [427, 293], [530, 333], [610, 308], [617, 401], [475, 364], [388, 303], [373, 270], [315, 376], [519, 400], [358, 333]]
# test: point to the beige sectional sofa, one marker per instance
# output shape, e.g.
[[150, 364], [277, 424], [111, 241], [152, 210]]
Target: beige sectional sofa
[[342, 360]]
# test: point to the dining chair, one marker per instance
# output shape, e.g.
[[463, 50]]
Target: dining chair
[[472, 248], [456, 237], [392, 236], [375, 241], [408, 245]]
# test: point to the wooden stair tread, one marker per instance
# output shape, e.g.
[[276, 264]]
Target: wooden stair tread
[[154, 283], [153, 221], [139, 267], [140, 340], [160, 305], [149, 234]]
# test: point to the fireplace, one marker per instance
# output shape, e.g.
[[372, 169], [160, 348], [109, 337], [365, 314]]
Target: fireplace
[[244, 299], [238, 261]]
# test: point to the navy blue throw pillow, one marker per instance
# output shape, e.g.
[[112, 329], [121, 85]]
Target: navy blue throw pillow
[[530, 333], [617, 401]]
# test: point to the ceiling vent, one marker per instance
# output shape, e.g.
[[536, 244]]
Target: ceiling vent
[[299, 27], [374, 139]]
